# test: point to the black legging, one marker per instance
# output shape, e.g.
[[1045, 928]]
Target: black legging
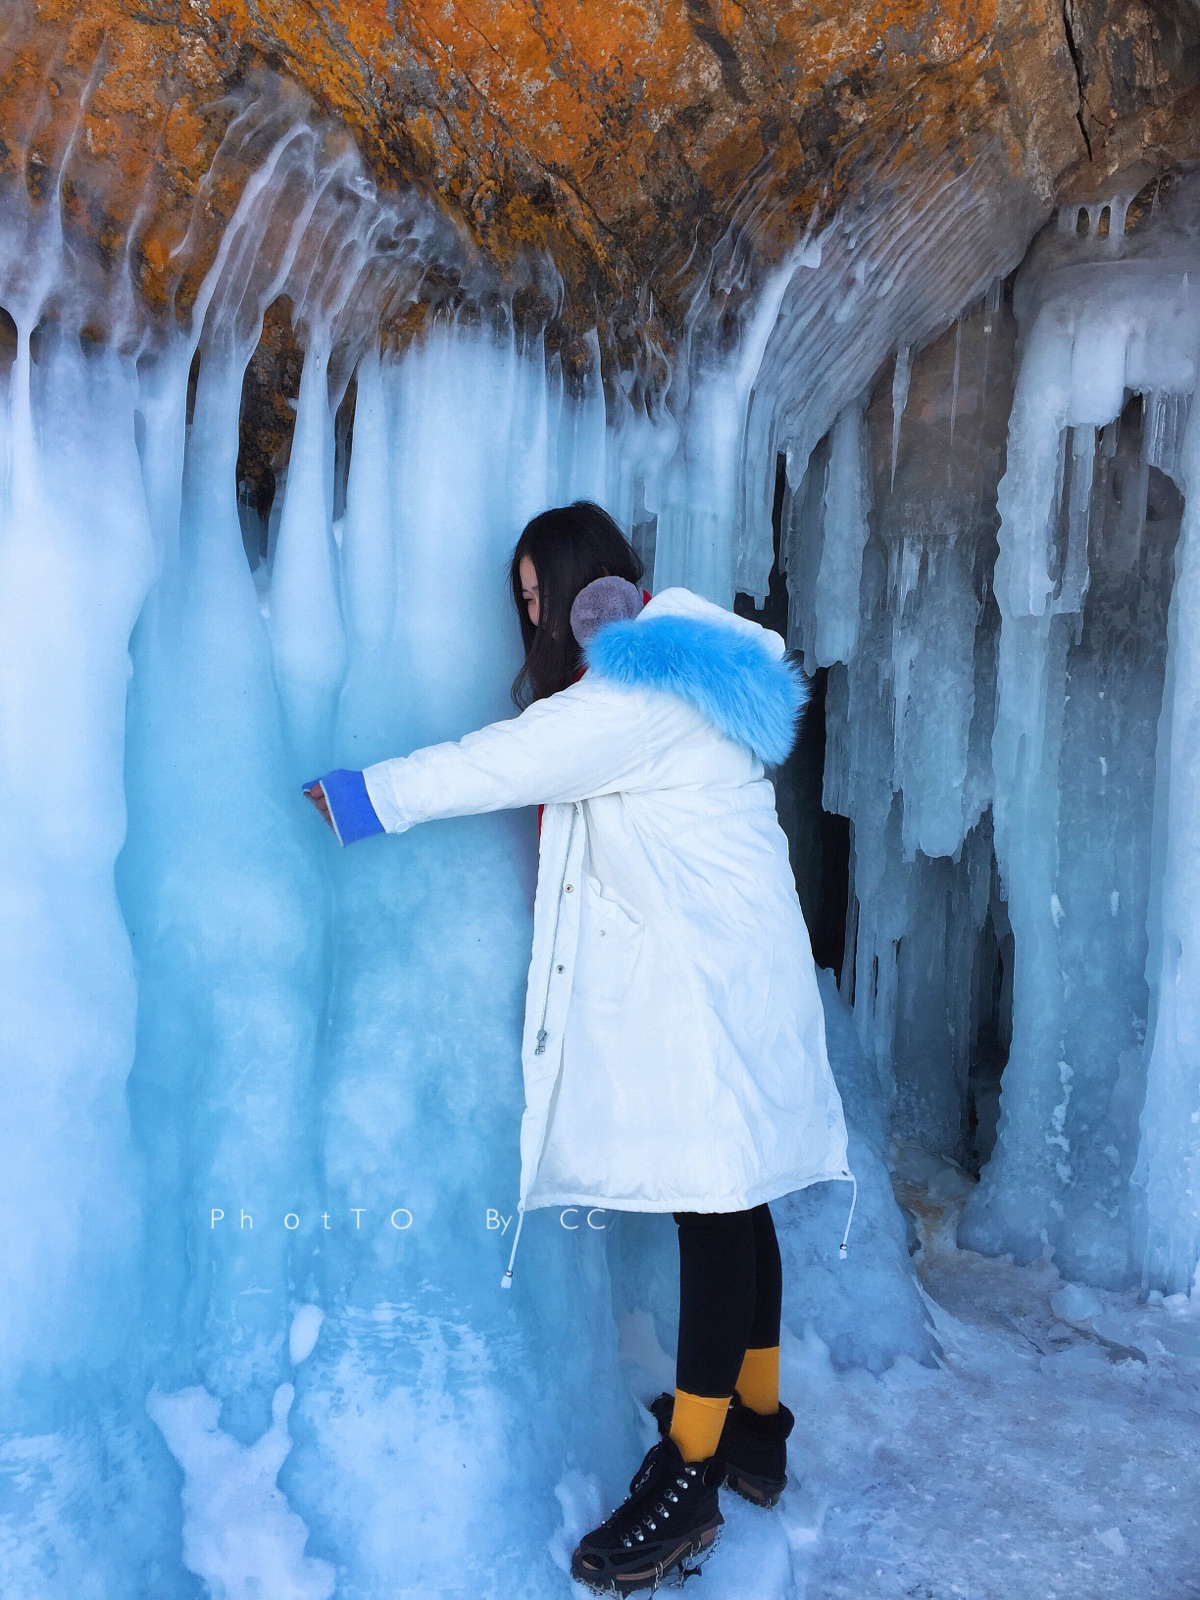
[[730, 1295]]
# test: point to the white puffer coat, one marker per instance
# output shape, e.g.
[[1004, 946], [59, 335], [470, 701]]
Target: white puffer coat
[[674, 1043]]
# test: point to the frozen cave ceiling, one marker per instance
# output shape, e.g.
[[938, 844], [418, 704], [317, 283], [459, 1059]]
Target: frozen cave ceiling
[[609, 167], [619, 142]]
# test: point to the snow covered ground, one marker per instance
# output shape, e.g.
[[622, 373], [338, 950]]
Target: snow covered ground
[[1054, 1454]]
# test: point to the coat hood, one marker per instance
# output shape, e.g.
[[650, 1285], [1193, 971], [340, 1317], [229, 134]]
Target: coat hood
[[733, 671]]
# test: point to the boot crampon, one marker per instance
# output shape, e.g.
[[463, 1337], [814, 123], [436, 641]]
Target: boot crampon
[[670, 1514]]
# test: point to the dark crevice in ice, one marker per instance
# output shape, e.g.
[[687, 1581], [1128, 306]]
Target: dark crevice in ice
[[818, 840]]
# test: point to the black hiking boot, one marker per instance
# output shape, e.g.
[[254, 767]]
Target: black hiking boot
[[753, 1447], [671, 1513]]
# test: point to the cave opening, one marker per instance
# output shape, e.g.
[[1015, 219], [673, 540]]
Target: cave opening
[[270, 392], [991, 1031], [8, 341]]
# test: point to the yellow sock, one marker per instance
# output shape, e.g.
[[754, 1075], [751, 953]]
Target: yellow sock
[[758, 1381], [696, 1424]]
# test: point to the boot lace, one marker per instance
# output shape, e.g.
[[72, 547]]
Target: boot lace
[[636, 1518]]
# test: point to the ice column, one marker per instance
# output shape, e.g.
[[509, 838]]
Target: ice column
[[76, 558], [1082, 581], [307, 638], [1168, 1167], [456, 442]]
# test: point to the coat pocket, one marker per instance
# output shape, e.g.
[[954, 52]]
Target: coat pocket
[[610, 912], [610, 942]]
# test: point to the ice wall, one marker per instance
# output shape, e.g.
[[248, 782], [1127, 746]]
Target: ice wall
[[1007, 685], [908, 705], [261, 1156], [262, 1101]]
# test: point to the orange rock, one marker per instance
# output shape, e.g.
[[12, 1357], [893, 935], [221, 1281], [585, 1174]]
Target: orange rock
[[623, 139]]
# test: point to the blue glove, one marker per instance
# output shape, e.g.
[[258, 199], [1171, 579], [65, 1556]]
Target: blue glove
[[349, 804]]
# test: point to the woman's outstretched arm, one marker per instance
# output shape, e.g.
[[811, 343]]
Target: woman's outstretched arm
[[588, 739]]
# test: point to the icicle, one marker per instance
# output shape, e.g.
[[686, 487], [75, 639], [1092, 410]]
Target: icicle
[[308, 639], [845, 535], [1075, 565], [934, 683], [1166, 419], [901, 375], [993, 300], [905, 571], [1168, 1160], [954, 380]]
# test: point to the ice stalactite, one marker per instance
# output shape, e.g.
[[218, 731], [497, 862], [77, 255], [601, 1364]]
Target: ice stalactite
[[893, 270], [812, 331], [954, 380], [901, 377], [1168, 1165], [230, 971], [76, 560], [694, 495], [1083, 581], [844, 533], [308, 640], [992, 739], [1097, 218], [889, 593], [422, 1097], [895, 618], [907, 711]]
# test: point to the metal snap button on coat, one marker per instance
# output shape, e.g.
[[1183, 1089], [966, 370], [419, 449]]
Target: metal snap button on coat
[[561, 969], [570, 886]]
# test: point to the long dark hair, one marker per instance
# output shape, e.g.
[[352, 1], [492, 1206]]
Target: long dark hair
[[569, 546]]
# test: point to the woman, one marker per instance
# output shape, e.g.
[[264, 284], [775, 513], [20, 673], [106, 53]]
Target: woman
[[674, 1045]]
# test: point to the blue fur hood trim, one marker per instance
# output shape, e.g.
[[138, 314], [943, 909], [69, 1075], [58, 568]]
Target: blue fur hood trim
[[750, 695]]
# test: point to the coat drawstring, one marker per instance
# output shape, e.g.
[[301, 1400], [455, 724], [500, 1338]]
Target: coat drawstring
[[506, 1280], [842, 1250]]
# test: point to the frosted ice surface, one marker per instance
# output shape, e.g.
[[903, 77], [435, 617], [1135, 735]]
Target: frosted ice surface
[[823, 1293], [1075, 1303], [239, 1534]]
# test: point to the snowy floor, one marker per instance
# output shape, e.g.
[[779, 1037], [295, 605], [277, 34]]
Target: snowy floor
[[1048, 1459]]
